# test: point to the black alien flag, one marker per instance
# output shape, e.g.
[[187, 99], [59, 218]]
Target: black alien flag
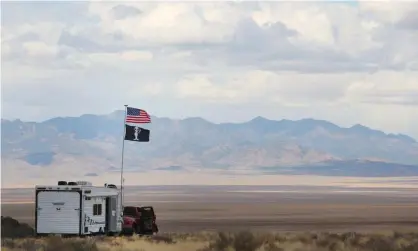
[[136, 133]]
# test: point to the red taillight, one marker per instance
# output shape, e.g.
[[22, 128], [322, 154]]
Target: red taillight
[[127, 221]]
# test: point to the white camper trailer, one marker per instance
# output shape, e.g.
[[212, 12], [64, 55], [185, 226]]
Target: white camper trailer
[[77, 208]]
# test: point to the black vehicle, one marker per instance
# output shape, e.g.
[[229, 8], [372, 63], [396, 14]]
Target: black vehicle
[[139, 220]]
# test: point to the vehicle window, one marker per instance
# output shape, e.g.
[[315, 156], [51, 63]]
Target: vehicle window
[[129, 211], [147, 211]]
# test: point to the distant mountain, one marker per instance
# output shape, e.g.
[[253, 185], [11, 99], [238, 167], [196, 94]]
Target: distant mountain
[[305, 146]]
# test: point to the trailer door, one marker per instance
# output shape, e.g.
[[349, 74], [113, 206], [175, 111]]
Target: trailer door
[[58, 212], [111, 217]]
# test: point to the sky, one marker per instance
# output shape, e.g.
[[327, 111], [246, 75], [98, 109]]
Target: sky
[[346, 62]]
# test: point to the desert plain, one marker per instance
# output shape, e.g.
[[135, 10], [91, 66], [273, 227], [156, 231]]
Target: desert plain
[[259, 208]]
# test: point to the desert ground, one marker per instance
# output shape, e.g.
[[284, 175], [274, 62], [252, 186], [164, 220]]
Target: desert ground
[[184, 209]]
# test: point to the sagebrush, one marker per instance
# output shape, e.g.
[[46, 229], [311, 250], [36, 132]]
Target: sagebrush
[[222, 241]]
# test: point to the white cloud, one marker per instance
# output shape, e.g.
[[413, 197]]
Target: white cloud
[[39, 49], [289, 88], [167, 23], [136, 55], [202, 88], [386, 87], [348, 63], [388, 11], [119, 58]]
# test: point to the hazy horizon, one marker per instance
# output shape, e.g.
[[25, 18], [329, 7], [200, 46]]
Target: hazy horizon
[[157, 178]]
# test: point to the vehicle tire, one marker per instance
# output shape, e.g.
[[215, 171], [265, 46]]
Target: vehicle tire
[[127, 232], [136, 229]]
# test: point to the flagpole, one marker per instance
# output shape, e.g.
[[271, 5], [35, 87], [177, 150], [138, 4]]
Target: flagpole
[[121, 169]]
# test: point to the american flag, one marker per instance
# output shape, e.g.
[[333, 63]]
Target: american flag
[[138, 116]]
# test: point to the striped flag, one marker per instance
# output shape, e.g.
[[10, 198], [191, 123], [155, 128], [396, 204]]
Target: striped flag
[[137, 116]]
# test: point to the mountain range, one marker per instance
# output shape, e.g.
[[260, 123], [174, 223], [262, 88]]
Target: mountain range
[[306, 146]]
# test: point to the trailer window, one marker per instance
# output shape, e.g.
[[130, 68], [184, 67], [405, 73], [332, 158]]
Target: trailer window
[[97, 209]]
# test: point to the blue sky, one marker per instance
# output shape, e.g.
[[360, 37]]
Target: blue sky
[[347, 63]]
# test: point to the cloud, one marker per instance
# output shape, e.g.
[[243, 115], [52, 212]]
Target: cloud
[[379, 88], [123, 11], [226, 61]]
